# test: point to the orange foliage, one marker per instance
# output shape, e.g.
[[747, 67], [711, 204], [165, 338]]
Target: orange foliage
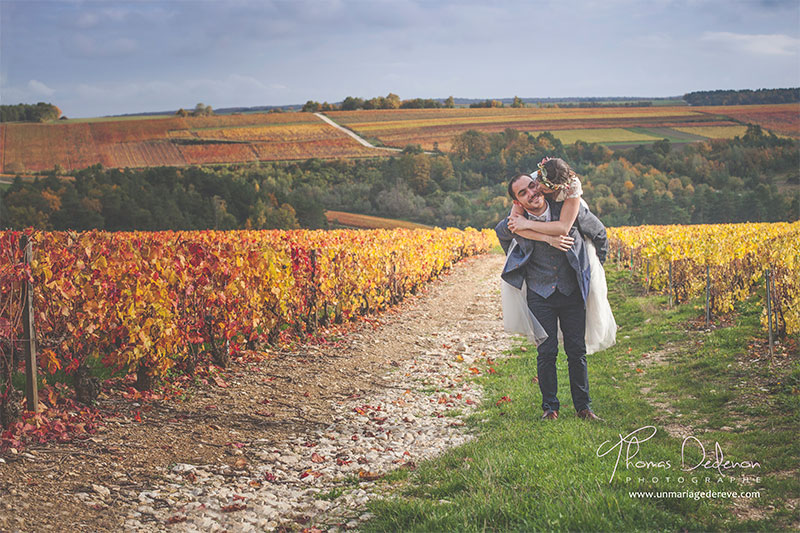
[[156, 141], [149, 298], [777, 118]]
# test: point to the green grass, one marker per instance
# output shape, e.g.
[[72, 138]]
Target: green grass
[[667, 133], [95, 366], [523, 474]]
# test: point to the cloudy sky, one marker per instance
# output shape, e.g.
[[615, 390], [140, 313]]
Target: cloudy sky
[[101, 57]]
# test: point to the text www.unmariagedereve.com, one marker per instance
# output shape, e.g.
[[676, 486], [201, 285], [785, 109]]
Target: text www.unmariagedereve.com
[[696, 495]]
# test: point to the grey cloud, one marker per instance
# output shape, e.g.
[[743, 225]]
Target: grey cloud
[[40, 88], [82, 45], [781, 45]]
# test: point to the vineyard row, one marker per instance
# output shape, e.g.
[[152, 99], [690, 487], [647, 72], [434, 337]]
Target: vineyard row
[[149, 300], [732, 257]]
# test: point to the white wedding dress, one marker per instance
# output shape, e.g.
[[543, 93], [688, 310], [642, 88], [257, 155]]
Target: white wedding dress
[[601, 328], [517, 316]]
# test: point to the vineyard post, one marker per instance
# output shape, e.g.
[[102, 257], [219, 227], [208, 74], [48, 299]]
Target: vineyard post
[[708, 289], [670, 284], [768, 279], [29, 331], [313, 255], [647, 277]]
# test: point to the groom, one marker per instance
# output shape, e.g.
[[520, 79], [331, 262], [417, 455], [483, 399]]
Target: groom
[[557, 275]]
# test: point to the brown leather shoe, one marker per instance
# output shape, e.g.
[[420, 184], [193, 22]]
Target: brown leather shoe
[[587, 414], [550, 415]]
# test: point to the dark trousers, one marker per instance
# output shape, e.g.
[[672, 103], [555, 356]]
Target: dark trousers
[[571, 312]]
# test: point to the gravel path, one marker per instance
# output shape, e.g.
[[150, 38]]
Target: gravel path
[[358, 138], [415, 414]]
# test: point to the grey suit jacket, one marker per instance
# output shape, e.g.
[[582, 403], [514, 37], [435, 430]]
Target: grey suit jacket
[[586, 224]]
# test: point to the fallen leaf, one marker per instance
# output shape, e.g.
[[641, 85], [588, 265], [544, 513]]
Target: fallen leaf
[[369, 476], [234, 507], [240, 463], [317, 458]]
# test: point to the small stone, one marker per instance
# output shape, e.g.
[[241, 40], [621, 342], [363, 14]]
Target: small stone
[[289, 459], [101, 490]]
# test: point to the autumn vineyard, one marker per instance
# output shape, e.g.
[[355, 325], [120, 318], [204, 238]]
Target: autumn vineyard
[[435, 128], [146, 301], [179, 141], [734, 257]]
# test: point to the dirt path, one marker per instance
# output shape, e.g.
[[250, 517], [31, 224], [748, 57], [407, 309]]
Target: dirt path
[[185, 458], [358, 138]]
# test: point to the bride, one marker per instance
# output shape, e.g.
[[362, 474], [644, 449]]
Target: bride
[[560, 183]]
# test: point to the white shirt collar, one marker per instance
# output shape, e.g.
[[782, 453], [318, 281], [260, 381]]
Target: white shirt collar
[[545, 217]]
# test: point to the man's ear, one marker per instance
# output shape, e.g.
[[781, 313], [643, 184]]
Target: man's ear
[[516, 203]]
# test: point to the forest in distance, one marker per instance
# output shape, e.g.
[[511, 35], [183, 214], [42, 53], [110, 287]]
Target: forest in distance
[[43, 112], [753, 178]]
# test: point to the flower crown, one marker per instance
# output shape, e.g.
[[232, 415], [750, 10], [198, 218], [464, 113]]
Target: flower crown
[[543, 177]]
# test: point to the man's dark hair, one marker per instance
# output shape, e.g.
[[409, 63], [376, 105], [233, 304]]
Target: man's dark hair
[[513, 181]]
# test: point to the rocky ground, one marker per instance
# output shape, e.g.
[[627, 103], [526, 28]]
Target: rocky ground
[[297, 440]]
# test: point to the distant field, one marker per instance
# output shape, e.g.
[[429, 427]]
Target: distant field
[[777, 118], [435, 128], [144, 142], [601, 135], [354, 220], [722, 132], [171, 140]]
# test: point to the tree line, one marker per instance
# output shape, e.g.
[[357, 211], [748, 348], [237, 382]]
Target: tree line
[[41, 112], [390, 101], [753, 178], [743, 97]]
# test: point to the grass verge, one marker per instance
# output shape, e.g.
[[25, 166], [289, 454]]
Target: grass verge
[[691, 386]]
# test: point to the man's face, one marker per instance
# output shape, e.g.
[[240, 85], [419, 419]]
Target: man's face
[[528, 193]]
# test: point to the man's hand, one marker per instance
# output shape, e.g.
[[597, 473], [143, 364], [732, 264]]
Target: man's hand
[[561, 242], [517, 222]]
